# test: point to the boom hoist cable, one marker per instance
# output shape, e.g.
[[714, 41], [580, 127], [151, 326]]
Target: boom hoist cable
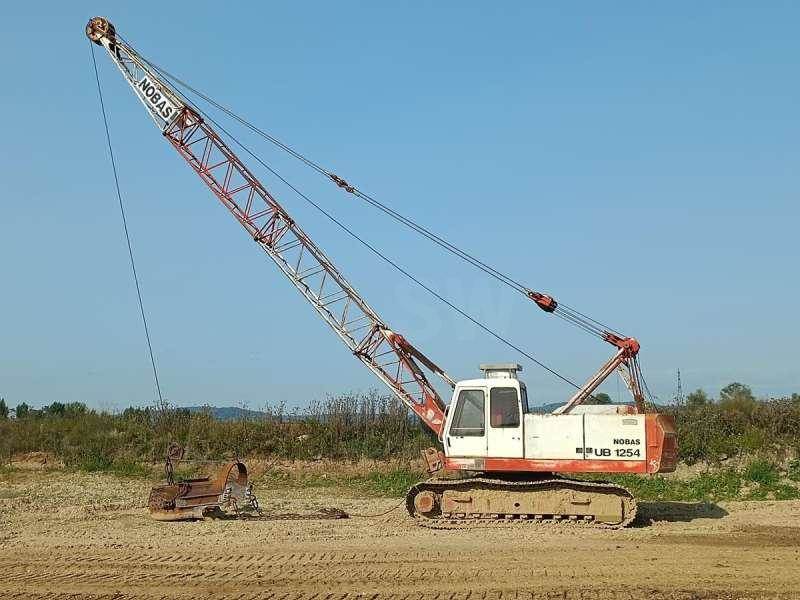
[[544, 301], [627, 347], [624, 360], [338, 222]]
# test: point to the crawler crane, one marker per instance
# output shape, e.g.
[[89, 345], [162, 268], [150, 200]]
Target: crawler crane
[[513, 463]]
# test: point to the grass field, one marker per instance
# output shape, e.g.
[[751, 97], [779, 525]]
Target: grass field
[[733, 447], [756, 479]]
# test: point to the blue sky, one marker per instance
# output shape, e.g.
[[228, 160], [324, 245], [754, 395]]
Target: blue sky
[[638, 162]]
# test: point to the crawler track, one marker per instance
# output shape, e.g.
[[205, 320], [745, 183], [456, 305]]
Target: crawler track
[[478, 488]]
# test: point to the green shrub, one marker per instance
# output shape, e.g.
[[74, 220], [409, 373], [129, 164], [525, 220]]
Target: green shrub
[[761, 471], [739, 425], [92, 462], [721, 485], [794, 470], [393, 484], [726, 484]]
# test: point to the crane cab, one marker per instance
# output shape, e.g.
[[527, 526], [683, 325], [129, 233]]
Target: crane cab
[[486, 415], [489, 427]]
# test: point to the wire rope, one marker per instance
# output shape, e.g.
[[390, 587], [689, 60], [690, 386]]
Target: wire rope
[[127, 232], [563, 311]]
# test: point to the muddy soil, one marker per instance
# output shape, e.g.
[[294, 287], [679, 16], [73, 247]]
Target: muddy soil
[[88, 536]]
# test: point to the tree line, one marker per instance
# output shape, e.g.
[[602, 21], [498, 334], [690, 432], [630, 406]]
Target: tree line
[[350, 426]]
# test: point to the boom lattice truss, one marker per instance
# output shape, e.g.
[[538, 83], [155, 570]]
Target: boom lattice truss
[[386, 353]]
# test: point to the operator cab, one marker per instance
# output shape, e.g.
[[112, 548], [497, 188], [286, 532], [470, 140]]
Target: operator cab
[[488, 413]]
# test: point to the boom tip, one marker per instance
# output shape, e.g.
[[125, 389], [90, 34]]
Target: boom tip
[[98, 28]]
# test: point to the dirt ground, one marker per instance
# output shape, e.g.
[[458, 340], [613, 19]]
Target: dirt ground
[[67, 535]]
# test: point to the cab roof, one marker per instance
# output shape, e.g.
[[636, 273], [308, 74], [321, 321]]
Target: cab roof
[[491, 382]]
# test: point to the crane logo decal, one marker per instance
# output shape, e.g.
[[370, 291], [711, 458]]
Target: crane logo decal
[[156, 99]]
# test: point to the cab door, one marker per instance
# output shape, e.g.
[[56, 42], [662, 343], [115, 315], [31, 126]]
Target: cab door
[[466, 432], [505, 439]]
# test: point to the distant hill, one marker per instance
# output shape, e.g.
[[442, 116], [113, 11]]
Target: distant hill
[[234, 413], [228, 413], [546, 408]]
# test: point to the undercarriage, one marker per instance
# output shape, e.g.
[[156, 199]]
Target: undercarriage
[[459, 503]]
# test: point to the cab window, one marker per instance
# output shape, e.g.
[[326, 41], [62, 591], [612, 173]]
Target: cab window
[[524, 390], [469, 416], [504, 407]]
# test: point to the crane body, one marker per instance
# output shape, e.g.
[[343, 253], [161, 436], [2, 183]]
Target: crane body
[[506, 453], [491, 427]]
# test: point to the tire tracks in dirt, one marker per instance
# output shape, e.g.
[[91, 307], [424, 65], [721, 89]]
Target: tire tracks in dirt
[[85, 572], [748, 551]]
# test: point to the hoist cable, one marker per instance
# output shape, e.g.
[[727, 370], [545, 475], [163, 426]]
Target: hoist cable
[[391, 262], [588, 318], [388, 210], [581, 320], [229, 112], [653, 399], [355, 236], [127, 233], [380, 254]]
